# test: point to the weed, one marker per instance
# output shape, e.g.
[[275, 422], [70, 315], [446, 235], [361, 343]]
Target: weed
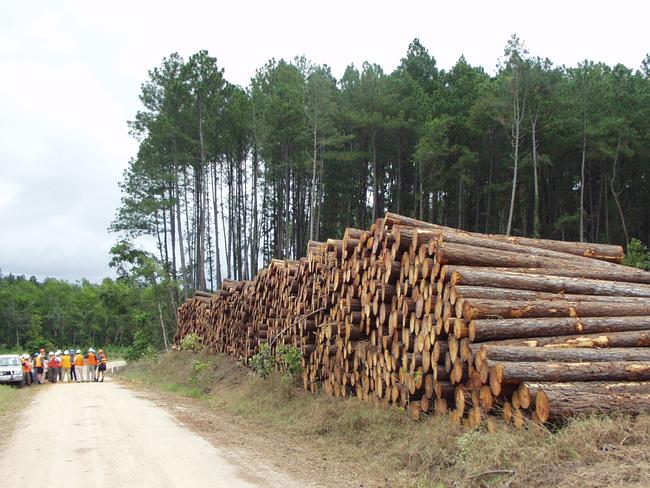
[[191, 342]]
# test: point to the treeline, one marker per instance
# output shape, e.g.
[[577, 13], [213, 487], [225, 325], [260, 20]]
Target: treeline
[[54, 314], [227, 177]]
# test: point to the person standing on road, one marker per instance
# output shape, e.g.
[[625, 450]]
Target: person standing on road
[[27, 369], [52, 367], [101, 369], [46, 365], [92, 364], [79, 367], [38, 364], [59, 370], [66, 365], [73, 373]]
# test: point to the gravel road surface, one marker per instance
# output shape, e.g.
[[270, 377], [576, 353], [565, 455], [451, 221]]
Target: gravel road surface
[[105, 433]]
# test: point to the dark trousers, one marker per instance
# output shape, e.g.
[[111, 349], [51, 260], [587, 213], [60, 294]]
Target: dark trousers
[[73, 374]]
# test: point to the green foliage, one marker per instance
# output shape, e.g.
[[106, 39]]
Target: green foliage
[[55, 314], [141, 347], [263, 362], [198, 365], [637, 255], [290, 361], [191, 342]]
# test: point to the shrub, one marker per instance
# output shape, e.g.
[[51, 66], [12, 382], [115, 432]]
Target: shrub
[[263, 362], [141, 347], [191, 342], [290, 361], [637, 255]]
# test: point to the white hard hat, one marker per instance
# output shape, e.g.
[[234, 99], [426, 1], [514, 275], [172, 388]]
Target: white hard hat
[[58, 351], [78, 351], [50, 353], [90, 349], [25, 356], [66, 352]]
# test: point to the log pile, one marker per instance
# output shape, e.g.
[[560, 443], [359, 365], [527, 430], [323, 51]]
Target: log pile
[[438, 320]]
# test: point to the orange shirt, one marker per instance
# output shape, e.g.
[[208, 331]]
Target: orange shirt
[[27, 366], [78, 360]]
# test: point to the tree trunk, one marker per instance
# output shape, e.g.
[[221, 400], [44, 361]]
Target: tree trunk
[[313, 174], [475, 308], [375, 178], [465, 275], [582, 179], [481, 330], [490, 293], [557, 401], [616, 194], [569, 355], [517, 372], [180, 239], [636, 338], [536, 222], [519, 109], [200, 180]]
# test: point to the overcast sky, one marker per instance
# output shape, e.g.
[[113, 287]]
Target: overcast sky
[[71, 73]]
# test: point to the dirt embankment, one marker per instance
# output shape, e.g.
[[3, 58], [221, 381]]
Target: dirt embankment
[[350, 443]]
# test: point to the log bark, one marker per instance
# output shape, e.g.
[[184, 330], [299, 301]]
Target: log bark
[[580, 284], [570, 355], [491, 293], [517, 372], [500, 245], [481, 330], [478, 309], [451, 253], [556, 401], [606, 252], [638, 338]]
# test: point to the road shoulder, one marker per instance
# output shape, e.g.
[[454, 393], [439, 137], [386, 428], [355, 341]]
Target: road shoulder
[[248, 444]]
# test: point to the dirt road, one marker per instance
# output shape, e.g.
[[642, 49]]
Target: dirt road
[[104, 433]]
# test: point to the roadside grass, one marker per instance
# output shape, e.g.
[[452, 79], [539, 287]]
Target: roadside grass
[[384, 444], [12, 401]]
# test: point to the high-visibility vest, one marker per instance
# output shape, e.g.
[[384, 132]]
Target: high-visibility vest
[[78, 360], [39, 361], [104, 360], [53, 363], [27, 366], [92, 360], [65, 362]]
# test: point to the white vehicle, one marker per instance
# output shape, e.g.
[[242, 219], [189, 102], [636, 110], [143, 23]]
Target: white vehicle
[[11, 370]]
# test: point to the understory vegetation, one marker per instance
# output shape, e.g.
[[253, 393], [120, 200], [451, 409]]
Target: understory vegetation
[[385, 448]]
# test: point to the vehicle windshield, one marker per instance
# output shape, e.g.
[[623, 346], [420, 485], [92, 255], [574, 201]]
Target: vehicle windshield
[[9, 362]]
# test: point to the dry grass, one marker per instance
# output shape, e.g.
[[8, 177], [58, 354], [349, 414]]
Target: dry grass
[[385, 448]]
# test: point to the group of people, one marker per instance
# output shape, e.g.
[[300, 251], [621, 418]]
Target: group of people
[[68, 365]]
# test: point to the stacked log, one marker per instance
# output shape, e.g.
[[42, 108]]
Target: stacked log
[[438, 320]]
